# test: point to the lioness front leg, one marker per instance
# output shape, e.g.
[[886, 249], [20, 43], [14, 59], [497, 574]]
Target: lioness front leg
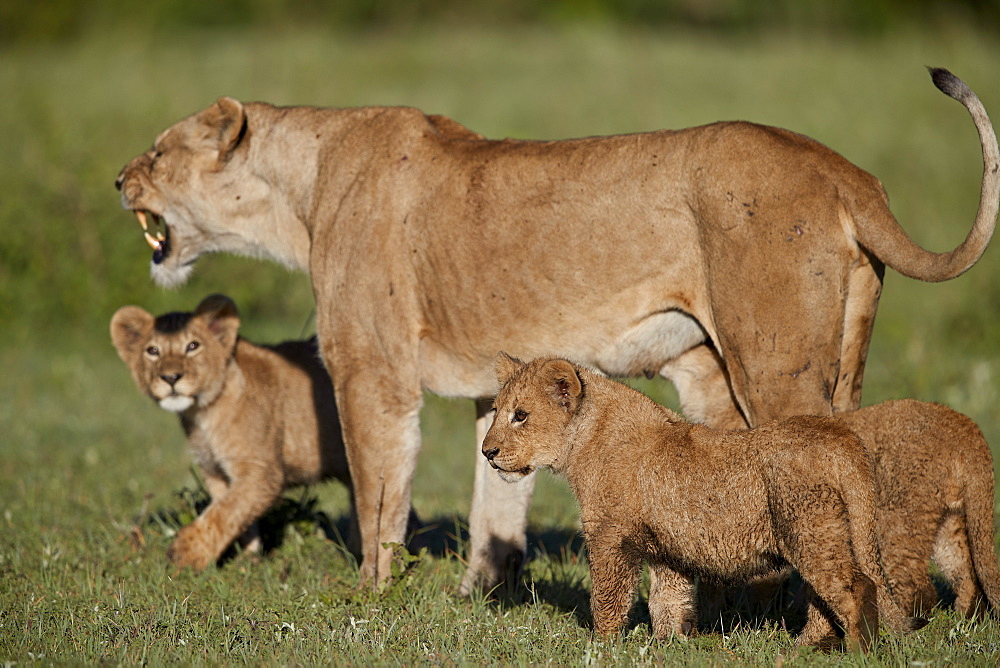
[[497, 540], [382, 439], [613, 575], [671, 602], [254, 487]]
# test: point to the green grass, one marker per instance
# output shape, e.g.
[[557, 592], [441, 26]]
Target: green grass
[[92, 475]]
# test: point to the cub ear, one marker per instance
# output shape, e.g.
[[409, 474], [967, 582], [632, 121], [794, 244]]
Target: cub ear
[[505, 366], [564, 384], [219, 312], [130, 326], [227, 123]]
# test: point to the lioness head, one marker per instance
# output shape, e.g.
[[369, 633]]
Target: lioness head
[[534, 408], [198, 190], [178, 359]]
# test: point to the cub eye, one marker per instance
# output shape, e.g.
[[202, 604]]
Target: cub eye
[[153, 351], [193, 346], [519, 416]]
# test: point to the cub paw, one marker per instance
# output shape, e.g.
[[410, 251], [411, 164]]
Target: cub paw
[[190, 549]]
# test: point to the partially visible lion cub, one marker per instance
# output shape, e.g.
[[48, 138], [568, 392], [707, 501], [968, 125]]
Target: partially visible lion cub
[[694, 501], [258, 419], [934, 485]]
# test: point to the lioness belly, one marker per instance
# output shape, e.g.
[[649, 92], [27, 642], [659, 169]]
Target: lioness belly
[[641, 348]]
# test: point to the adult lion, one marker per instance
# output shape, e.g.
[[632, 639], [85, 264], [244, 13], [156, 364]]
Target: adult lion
[[742, 262]]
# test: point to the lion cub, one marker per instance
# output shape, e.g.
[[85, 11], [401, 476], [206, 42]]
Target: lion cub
[[934, 486], [258, 419], [697, 502]]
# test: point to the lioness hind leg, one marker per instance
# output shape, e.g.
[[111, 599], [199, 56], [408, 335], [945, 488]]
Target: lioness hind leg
[[703, 388], [497, 520]]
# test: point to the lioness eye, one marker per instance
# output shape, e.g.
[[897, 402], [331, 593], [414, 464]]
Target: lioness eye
[[191, 347], [519, 416], [153, 351]]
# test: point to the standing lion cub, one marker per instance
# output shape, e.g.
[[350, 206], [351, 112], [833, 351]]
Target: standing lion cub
[[697, 502], [934, 486], [258, 419]]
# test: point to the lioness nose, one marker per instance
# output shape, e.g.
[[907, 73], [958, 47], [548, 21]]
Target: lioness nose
[[491, 453], [171, 378]]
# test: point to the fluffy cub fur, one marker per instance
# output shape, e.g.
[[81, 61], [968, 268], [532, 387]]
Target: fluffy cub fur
[[258, 419], [694, 501], [934, 485]]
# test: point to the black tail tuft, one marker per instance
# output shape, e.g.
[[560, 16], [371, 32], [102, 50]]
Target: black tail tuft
[[916, 623], [948, 83]]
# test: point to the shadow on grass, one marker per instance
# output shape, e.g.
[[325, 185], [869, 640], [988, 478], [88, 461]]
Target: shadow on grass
[[555, 574]]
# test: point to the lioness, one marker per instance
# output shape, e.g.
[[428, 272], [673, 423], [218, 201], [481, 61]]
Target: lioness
[[934, 487], [693, 501], [742, 262], [258, 419]]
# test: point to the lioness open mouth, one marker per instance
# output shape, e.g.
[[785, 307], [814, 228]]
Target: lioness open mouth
[[158, 240]]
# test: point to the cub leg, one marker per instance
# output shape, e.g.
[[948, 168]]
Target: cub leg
[[820, 630], [497, 540], [613, 576], [852, 601], [671, 602], [218, 486], [905, 557], [254, 487], [953, 557], [817, 541]]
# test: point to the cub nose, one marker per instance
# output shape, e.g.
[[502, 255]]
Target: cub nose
[[491, 453], [120, 179], [171, 378]]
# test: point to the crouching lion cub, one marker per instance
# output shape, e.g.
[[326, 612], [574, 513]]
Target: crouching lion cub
[[697, 502], [258, 419], [934, 485]]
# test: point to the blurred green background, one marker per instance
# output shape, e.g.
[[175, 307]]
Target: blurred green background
[[87, 84]]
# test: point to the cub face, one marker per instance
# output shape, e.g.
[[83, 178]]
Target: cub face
[[533, 409], [178, 359]]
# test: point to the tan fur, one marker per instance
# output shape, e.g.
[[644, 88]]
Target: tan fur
[[258, 419], [742, 262], [693, 501], [934, 484]]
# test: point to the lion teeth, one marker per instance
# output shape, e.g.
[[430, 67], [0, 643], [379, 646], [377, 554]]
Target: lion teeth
[[141, 215], [153, 242]]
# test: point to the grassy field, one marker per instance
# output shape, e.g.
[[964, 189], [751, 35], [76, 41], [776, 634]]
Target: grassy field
[[94, 479]]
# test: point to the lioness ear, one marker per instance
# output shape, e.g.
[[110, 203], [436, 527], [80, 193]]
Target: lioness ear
[[219, 312], [227, 120], [564, 384], [505, 366], [130, 325]]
